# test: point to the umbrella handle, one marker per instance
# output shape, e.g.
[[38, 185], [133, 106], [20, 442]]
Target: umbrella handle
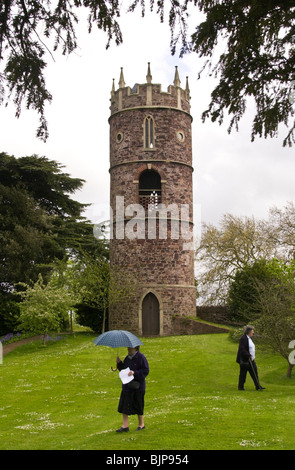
[[114, 370]]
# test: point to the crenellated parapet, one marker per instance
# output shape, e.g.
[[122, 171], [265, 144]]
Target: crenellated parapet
[[150, 95]]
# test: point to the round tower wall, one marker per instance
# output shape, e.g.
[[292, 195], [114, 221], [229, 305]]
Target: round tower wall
[[153, 247]]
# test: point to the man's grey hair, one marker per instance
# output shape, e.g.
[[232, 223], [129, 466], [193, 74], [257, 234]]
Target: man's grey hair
[[248, 328]]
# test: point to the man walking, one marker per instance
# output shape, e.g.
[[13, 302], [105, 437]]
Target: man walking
[[246, 359]]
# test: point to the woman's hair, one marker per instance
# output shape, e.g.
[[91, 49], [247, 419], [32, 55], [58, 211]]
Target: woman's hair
[[248, 328]]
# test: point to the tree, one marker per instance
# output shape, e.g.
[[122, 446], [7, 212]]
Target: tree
[[26, 239], [9, 314], [240, 243], [263, 294], [222, 251], [39, 221], [45, 307], [100, 286], [242, 298], [275, 325], [26, 30], [32, 30], [45, 181], [281, 229], [256, 61]]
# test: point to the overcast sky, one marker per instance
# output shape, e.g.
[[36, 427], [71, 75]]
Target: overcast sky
[[231, 174]]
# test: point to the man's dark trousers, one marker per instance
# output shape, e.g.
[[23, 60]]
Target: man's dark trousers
[[243, 372]]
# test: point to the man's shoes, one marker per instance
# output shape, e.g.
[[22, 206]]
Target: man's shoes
[[140, 428], [242, 389], [260, 388], [121, 429]]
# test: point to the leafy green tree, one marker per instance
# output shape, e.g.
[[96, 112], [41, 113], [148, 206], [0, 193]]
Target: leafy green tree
[[9, 314], [256, 61], [92, 317], [26, 32], [242, 300], [100, 287], [27, 238], [95, 286], [44, 180], [276, 299], [39, 221], [263, 294], [45, 308]]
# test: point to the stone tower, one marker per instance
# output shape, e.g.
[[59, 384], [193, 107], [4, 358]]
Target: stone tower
[[151, 201]]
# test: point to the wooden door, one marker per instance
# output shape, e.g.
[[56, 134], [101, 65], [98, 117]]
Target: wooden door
[[150, 315]]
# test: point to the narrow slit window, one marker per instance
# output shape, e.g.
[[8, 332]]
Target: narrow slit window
[[149, 138]]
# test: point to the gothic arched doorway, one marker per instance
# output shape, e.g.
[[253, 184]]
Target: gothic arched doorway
[[150, 315]]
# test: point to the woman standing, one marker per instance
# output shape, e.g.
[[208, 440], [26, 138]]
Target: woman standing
[[132, 395]]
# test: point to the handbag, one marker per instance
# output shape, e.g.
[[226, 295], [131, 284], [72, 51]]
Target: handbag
[[133, 385]]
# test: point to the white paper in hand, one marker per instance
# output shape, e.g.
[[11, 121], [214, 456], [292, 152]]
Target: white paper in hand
[[125, 377]]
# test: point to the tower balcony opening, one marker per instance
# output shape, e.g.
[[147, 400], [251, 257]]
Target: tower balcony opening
[[150, 190]]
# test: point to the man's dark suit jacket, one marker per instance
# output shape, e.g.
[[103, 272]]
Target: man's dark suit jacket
[[243, 351]]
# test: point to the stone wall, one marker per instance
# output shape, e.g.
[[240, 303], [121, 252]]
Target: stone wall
[[187, 326], [149, 94], [215, 314]]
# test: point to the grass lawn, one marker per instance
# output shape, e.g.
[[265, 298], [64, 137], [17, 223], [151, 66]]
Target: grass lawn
[[64, 396]]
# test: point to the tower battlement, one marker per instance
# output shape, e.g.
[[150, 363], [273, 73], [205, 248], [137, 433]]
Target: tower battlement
[[150, 95]]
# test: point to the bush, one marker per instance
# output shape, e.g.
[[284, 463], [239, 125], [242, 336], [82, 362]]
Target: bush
[[9, 315], [235, 334], [243, 302], [89, 316]]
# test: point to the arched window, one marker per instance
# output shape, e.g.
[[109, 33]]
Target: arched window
[[149, 133], [150, 192]]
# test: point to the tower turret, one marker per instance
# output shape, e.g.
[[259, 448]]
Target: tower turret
[[152, 203]]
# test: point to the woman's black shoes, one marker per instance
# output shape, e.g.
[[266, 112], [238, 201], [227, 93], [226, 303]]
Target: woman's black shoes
[[121, 429]]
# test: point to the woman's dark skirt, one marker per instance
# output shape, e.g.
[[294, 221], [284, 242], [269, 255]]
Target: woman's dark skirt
[[131, 402]]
